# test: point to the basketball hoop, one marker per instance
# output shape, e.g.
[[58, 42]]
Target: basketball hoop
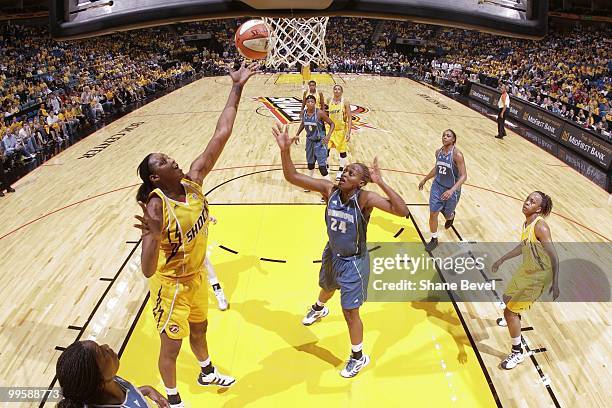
[[296, 41]]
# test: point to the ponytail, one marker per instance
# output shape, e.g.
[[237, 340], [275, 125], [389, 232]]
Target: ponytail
[[145, 175], [79, 376]]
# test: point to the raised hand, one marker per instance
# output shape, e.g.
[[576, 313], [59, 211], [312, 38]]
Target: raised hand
[[281, 134], [375, 172], [242, 75], [148, 224]]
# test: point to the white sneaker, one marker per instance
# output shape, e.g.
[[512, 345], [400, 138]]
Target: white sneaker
[[313, 315], [221, 299], [179, 405], [353, 366], [215, 378], [306, 190], [513, 359]]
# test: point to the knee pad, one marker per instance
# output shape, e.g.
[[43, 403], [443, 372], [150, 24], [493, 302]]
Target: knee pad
[[311, 166], [343, 155], [323, 170]]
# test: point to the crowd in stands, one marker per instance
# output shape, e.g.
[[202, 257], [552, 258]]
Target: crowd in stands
[[569, 72], [50, 91]]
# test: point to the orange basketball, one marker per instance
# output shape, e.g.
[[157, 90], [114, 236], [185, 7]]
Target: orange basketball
[[252, 39]]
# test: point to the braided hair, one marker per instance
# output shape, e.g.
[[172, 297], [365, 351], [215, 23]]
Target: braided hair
[[79, 376], [144, 171], [547, 203]]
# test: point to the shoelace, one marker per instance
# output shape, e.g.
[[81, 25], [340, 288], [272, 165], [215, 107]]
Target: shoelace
[[512, 357], [351, 364]]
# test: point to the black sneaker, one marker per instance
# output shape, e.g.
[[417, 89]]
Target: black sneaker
[[449, 223], [431, 245], [10, 190], [499, 137], [1, 194]]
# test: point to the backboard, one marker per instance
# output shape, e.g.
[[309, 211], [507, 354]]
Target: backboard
[[85, 18]]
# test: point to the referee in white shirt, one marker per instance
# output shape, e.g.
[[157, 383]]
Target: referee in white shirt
[[503, 104]]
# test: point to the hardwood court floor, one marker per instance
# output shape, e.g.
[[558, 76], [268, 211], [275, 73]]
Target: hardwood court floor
[[420, 352], [68, 245]]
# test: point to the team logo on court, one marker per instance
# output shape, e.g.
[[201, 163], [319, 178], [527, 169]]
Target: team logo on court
[[287, 111], [173, 329]]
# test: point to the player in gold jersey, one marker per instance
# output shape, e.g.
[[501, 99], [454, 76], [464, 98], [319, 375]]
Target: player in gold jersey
[[305, 72], [174, 241], [540, 268], [340, 113], [312, 90]]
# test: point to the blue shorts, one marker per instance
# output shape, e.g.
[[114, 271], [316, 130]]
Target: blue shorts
[[316, 151], [436, 204], [350, 275]]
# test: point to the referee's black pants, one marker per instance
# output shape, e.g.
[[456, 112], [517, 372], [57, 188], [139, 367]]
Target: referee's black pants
[[501, 121]]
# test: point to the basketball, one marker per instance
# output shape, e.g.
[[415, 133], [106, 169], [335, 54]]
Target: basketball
[[252, 39]]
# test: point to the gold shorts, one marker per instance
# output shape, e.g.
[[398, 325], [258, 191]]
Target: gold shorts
[[525, 288], [176, 303], [337, 141]]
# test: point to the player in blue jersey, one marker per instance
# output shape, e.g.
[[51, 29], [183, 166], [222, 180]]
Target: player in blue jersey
[[316, 140], [87, 373], [450, 174], [345, 262]]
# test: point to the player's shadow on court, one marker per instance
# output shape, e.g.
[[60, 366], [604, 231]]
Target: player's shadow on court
[[279, 371], [425, 358], [288, 326], [390, 226], [229, 273], [445, 316]]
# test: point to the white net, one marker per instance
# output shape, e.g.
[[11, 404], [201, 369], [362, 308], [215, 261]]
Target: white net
[[296, 41]]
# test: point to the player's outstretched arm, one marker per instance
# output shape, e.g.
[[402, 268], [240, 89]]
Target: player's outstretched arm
[[204, 163], [281, 134], [393, 204]]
